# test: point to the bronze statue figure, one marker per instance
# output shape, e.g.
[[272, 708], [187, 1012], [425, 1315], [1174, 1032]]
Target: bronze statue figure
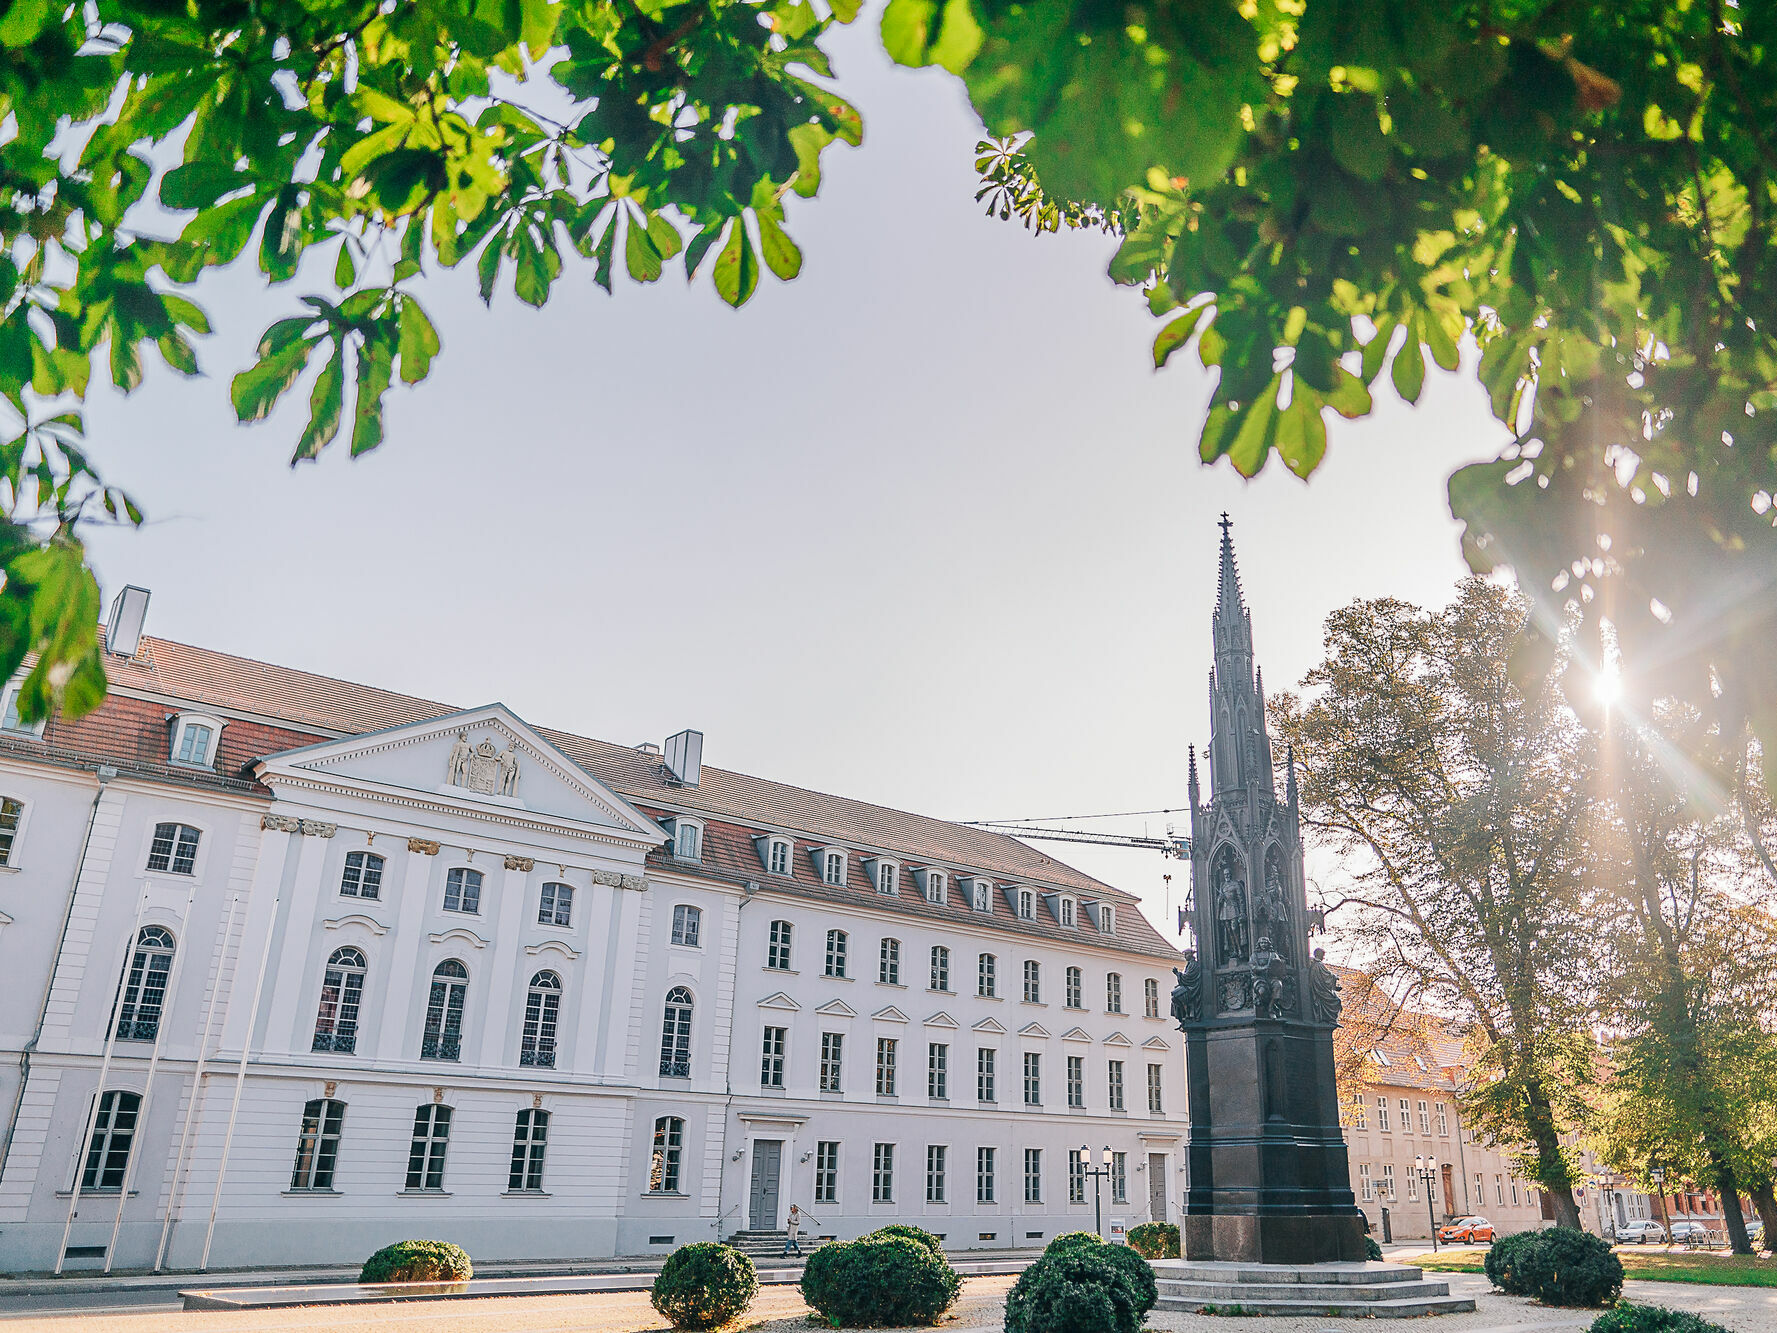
[[1323, 990], [1187, 996]]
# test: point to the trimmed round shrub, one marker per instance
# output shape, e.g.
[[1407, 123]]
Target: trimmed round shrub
[[1082, 1288], [704, 1285], [1155, 1240], [910, 1232], [1560, 1266], [1624, 1317], [1371, 1249], [418, 1261], [879, 1282], [1072, 1239]]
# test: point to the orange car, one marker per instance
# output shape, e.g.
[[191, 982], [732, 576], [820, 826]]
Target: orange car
[[1475, 1230]]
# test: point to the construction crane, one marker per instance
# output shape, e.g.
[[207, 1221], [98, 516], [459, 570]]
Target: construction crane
[[1178, 848]]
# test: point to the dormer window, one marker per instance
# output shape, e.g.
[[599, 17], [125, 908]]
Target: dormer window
[[831, 863], [687, 840], [9, 711], [934, 886], [1027, 905], [1107, 919], [1065, 911], [193, 741], [778, 856], [981, 896], [887, 875], [1380, 1058]]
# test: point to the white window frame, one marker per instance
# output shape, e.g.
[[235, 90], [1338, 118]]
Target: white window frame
[[777, 948], [774, 864], [934, 890], [1107, 919], [1027, 904], [940, 969], [826, 858], [981, 896], [9, 853], [9, 707], [199, 854], [687, 926], [1066, 912], [887, 876], [680, 825], [176, 736]]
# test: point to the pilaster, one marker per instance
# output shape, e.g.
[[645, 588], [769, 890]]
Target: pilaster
[[408, 937]]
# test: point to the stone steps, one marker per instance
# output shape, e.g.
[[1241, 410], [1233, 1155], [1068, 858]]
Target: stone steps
[[1331, 1290], [768, 1244]]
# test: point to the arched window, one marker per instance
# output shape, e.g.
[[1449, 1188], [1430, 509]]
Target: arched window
[[174, 849], [108, 1151], [888, 971], [11, 814], [192, 742], [675, 1034], [663, 1166], [542, 1009], [462, 890], [342, 989], [556, 906], [363, 876], [144, 990], [687, 925], [317, 1145], [444, 1012], [836, 942]]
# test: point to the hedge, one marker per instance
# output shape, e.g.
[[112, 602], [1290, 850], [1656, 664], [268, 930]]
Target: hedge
[[879, 1282], [1082, 1285], [1559, 1266], [704, 1285], [1371, 1249], [909, 1232], [1155, 1240], [418, 1261], [1626, 1318]]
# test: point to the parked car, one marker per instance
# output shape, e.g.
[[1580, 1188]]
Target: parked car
[[1643, 1231], [1690, 1233], [1475, 1230]]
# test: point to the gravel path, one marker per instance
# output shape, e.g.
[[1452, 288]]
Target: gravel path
[[780, 1310]]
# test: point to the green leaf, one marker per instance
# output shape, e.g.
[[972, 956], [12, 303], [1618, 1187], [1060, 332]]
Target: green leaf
[[256, 390], [1408, 371], [1377, 348], [639, 254], [1177, 333], [1301, 432], [931, 32], [326, 401], [1437, 337], [808, 140], [781, 254], [419, 341], [844, 11], [345, 270], [537, 28], [737, 267], [23, 21], [373, 383], [700, 245]]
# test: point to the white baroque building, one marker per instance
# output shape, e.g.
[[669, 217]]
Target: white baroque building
[[295, 968]]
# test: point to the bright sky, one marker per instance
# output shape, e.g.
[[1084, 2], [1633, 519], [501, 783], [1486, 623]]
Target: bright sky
[[922, 527]]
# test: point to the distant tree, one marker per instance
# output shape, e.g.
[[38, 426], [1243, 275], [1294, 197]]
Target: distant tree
[[1691, 974], [1459, 797]]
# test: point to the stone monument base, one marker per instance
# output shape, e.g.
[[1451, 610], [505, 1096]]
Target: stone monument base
[[1314, 1238], [1339, 1290]]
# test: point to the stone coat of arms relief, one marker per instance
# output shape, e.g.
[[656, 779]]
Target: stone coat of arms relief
[[483, 767]]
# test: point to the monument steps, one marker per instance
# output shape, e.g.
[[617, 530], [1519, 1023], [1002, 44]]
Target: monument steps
[[1331, 1290]]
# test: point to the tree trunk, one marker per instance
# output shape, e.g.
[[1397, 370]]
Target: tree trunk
[[1729, 1189], [1764, 1199], [1567, 1212]]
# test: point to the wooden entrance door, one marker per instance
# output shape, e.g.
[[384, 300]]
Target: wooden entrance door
[[762, 1200]]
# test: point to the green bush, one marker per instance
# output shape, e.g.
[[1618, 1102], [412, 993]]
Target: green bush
[[1082, 1286], [879, 1282], [1155, 1240], [910, 1232], [1371, 1249], [1560, 1266], [418, 1261], [704, 1285], [1626, 1318]]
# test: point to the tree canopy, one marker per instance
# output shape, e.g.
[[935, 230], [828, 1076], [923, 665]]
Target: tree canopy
[[1320, 197]]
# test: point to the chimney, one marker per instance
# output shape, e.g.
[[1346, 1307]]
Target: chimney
[[684, 757], [123, 629]]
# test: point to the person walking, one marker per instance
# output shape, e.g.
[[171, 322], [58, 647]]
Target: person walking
[[793, 1232]]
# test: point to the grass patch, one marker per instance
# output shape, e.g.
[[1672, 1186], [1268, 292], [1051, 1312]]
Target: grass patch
[[1647, 1265]]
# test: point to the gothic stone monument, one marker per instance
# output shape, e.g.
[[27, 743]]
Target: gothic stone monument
[[1269, 1180]]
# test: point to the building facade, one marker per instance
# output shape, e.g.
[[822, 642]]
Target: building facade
[[298, 967]]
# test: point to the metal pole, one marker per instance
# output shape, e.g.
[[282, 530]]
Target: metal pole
[[240, 1079], [92, 1115], [1098, 1203], [160, 1036], [1431, 1216], [197, 1083]]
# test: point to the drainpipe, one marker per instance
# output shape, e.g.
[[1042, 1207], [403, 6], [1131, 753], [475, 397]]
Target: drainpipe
[[105, 774], [752, 887]]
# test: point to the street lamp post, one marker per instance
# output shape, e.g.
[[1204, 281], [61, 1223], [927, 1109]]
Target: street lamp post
[[1426, 1168], [1658, 1176], [1098, 1173]]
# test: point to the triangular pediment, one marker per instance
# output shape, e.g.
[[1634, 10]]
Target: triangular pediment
[[1117, 1039], [1156, 1044], [486, 758], [837, 1009], [889, 1014], [942, 1020], [988, 1025], [1033, 1030], [1076, 1034], [778, 1000]]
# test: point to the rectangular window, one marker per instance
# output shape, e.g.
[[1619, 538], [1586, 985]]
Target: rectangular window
[[1119, 1177], [882, 1174], [936, 1154], [1076, 1080], [780, 858], [1070, 988], [363, 876], [889, 970], [556, 907], [1076, 1176], [1113, 992], [1033, 1175], [836, 942], [174, 849], [669, 1144], [1514, 1194], [826, 1171], [934, 887], [1360, 1114], [1154, 1105], [1033, 1079], [981, 898], [687, 841], [885, 1066], [1366, 1187], [1388, 1181], [888, 879], [1114, 1084], [1443, 1121], [1027, 904], [940, 968], [687, 925], [425, 1156], [771, 1058], [777, 954], [194, 744], [1406, 1117], [984, 976], [1382, 1113], [1033, 988], [1150, 992], [529, 1136], [984, 1174], [985, 1059], [1412, 1184], [832, 1058], [317, 1146], [1499, 1189], [462, 891], [833, 867], [1424, 1118], [938, 1071]]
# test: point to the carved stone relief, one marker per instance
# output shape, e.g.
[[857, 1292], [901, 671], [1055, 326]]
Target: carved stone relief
[[524, 863], [425, 845], [483, 767]]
